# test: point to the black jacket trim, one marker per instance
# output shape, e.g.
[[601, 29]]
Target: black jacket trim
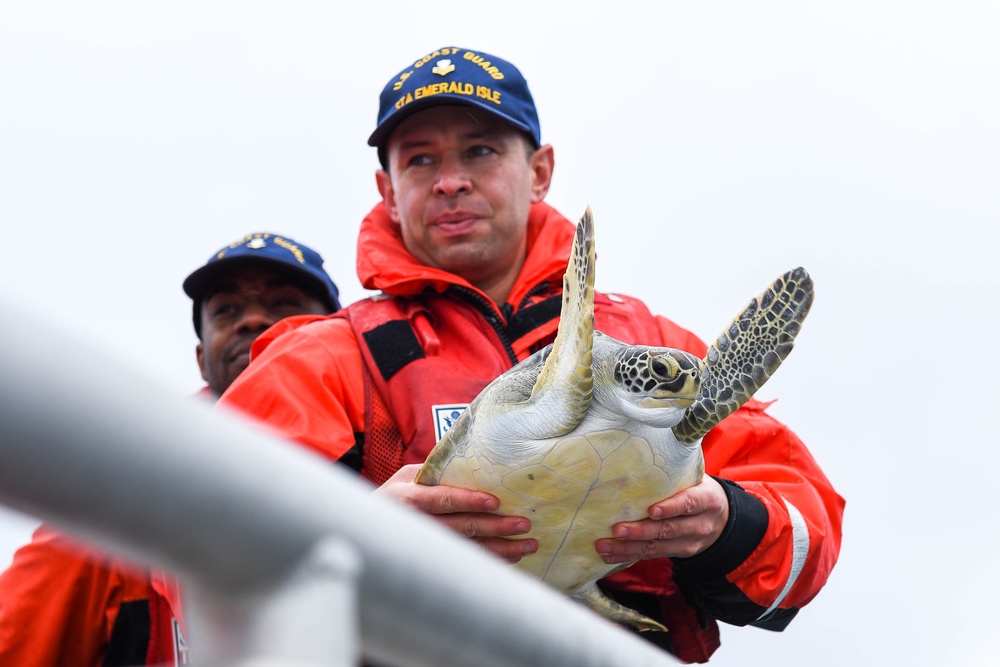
[[129, 641], [531, 318], [393, 345], [702, 578]]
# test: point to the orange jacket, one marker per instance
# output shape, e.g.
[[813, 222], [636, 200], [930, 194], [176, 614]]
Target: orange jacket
[[62, 603], [65, 603], [308, 381]]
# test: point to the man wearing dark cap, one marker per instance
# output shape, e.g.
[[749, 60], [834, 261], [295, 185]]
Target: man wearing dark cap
[[65, 603], [246, 287], [470, 262]]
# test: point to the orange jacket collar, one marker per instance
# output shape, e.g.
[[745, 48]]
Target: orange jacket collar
[[385, 264]]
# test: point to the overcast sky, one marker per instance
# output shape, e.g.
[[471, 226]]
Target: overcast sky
[[719, 144]]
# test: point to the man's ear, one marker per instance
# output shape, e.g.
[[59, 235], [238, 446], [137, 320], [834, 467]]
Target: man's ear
[[200, 353], [384, 183], [543, 163]]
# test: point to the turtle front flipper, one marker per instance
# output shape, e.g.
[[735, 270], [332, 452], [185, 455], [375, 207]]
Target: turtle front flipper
[[565, 384], [748, 352], [592, 597]]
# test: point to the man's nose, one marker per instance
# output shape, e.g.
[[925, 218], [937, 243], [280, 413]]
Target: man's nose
[[452, 178], [256, 317]]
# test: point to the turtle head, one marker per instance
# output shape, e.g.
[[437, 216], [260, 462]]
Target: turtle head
[[652, 385]]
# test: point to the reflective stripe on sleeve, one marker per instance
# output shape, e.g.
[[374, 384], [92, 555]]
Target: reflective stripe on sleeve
[[800, 549]]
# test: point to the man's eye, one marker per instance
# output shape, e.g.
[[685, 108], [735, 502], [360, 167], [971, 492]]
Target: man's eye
[[419, 160], [479, 151], [287, 302], [223, 309]]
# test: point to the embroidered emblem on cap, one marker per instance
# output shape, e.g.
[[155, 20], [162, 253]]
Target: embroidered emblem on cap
[[257, 243], [443, 67]]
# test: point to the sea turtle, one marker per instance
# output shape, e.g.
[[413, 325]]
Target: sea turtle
[[590, 431]]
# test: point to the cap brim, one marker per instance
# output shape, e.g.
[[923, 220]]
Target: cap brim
[[382, 132], [201, 280]]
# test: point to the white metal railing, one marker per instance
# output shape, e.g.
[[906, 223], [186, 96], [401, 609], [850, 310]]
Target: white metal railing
[[286, 558]]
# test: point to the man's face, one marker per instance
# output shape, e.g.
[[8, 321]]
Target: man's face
[[237, 309], [459, 185]]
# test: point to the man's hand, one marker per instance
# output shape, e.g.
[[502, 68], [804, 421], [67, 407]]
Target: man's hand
[[681, 526], [467, 512]]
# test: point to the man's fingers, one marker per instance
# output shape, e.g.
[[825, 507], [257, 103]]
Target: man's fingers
[[697, 499], [698, 526], [492, 531], [485, 525], [619, 551], [405, 474], [449, 500], [466, 512], [509, 550], [435, 499], [692, 521], [680, 537]]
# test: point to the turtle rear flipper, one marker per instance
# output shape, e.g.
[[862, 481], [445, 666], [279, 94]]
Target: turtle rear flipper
[[591, 596], [748, 352]]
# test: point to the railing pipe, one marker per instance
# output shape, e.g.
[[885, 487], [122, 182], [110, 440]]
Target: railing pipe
[[100, 451]]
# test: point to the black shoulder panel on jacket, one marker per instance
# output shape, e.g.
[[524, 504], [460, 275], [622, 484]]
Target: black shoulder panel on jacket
[[393, 345], [532, 317]]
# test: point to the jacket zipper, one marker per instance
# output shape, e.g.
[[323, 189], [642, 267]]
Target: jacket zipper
[[488, 311]]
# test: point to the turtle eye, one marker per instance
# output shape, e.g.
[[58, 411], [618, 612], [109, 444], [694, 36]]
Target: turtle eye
[[660, 369]]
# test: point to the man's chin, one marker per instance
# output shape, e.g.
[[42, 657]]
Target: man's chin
[[239, 364], [235, 368]]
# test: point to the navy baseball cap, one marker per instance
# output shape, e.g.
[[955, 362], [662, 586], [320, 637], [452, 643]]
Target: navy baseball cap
[[457, 76], [299, 260]]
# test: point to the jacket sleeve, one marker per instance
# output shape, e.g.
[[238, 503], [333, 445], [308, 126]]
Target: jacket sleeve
[[58, 603], [784, 530], [306, 383]]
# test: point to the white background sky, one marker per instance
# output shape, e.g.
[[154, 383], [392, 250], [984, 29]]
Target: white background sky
[[719, 145]]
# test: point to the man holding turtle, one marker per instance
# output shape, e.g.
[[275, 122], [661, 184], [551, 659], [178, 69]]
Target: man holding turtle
[[470, 261]]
